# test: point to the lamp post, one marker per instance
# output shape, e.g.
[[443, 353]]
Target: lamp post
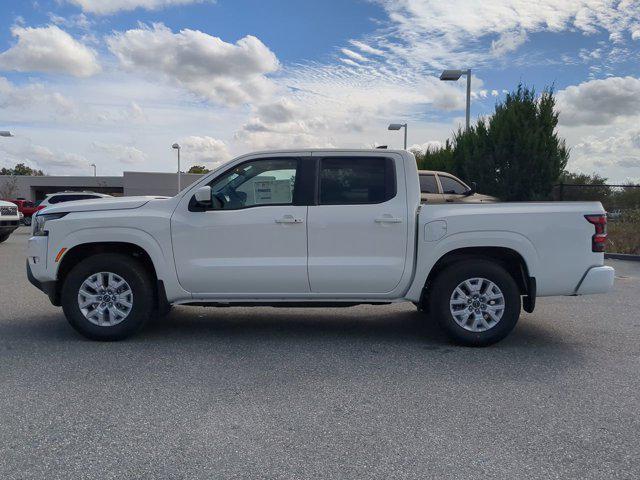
[[177, 147], [398, 126], [5, 133], [453, 76], [94, 169]]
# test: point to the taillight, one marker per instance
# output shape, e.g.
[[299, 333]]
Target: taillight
[[599, 239]]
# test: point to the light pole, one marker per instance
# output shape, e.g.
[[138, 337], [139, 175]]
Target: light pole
[[453, 76], [4, 133], [177, 147], [94, 168], [398, 126]]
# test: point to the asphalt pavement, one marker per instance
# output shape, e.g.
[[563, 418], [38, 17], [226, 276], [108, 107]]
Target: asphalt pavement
[[360, 392]]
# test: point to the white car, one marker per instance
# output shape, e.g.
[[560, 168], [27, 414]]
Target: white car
[[310, 228], [69, 196], [9, 219]]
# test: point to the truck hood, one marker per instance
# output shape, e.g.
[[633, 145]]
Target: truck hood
[[99, 204]]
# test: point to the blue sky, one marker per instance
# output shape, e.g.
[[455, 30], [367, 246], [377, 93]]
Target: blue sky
[[117, 82]]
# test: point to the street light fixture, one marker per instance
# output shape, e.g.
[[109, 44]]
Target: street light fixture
[[177, 147], [94, 168], [453, 76], [398, 126], [4, 133]]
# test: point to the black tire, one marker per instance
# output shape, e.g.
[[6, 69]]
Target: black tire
[[133, 272], [3, 238], [444, 286], [26, 221]]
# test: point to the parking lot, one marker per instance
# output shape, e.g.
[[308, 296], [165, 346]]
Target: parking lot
[[362, 392]]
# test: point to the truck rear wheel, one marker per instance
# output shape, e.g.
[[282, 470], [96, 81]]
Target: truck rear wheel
[[476, 302], [107, 296]]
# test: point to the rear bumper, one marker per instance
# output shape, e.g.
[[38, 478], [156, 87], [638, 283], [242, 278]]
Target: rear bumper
[[596, 280]]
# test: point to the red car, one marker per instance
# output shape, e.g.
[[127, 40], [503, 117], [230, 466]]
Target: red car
[[27, 208]]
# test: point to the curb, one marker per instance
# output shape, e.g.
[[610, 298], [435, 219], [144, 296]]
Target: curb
[[622, 256]]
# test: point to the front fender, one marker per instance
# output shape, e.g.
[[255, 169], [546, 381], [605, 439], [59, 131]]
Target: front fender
[[162, 258], [430, 252]]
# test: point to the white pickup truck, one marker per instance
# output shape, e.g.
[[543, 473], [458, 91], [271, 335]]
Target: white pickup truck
[[314, 228]]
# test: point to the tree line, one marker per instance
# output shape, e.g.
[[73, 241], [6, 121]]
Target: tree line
[[516, 154]]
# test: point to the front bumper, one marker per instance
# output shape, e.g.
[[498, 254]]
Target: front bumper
[[596, 280], [50, 288], [8, 226]]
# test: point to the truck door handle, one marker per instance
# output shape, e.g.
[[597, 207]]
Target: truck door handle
[[388, 219], [289, 219]]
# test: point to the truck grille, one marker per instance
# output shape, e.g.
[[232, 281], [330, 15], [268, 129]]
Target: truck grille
[[8, 211]]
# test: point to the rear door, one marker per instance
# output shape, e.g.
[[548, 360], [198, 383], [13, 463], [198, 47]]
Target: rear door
[[357, 230]]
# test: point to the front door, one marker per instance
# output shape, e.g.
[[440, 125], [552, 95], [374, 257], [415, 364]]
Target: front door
[[254, 239], [358, 229]]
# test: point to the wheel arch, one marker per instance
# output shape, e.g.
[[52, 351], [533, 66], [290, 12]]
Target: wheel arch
[[511, 260], [84, 250]]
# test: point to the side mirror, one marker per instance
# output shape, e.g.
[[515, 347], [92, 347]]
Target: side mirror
[[472, 190], [203, 195]]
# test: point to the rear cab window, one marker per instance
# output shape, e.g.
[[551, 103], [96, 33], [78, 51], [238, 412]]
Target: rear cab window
[[428, 183]]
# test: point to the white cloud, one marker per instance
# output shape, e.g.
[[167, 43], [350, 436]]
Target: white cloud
[[121, 153], [22, 150], [354, 55], [204, 150], [48, 49], [107, 7], [363, 47], [600, 102], [207, 66], [471, 32], [508, 42], [32, 97]]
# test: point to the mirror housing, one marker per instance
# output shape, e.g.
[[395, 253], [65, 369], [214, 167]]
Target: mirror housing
[[203, 195], [471, 190]]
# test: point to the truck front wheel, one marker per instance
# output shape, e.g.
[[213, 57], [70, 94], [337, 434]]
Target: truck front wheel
[[476, 302], [107, 296]]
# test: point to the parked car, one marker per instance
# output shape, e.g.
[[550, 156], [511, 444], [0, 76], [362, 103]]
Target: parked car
[[69, 196], [27, 208], [314, 228], [441, 187], [9, 219]]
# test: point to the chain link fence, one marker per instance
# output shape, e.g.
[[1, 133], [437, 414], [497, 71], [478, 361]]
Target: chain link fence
[[622, 203]]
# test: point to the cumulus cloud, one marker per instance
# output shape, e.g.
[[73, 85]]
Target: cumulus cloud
[[206, 65], [613, 153], [107, 7], [204, 150], [599, 102], [48, 49]]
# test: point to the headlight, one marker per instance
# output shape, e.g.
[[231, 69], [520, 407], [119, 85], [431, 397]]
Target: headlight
[[41, 219]]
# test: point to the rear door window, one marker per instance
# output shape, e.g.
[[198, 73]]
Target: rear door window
[[357, 180]]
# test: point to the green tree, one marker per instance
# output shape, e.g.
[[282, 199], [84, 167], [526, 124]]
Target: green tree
[[515, 154], [435, 158], [198, 169], [21, 169]]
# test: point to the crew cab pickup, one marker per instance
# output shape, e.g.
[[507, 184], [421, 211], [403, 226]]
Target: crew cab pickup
[[314, 228]]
